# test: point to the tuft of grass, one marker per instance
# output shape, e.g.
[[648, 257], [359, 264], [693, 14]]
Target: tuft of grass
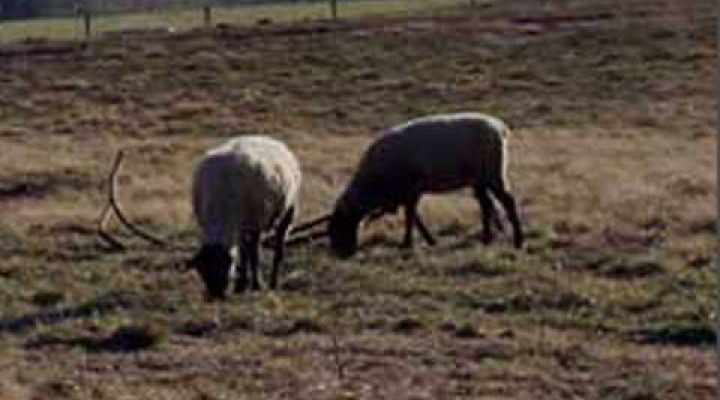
[[641, 266], [408, 325], [694, 335], [47, 298], [291, 327], [198, 328], [135, 337], [532, 302], [468, 331]]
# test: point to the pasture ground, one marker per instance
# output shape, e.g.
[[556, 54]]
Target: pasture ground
[[611, 159]]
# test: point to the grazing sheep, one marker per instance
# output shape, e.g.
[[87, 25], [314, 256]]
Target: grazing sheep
[[241, 189], [434, 154]]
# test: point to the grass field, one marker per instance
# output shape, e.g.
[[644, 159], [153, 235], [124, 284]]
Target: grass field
[[611, 160], [183, 20]]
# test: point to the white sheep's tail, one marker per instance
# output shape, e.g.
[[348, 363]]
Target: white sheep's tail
[[495, 161], [504, 154]]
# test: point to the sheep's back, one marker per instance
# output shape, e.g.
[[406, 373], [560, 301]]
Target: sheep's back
[[248, 183], [447, 148]]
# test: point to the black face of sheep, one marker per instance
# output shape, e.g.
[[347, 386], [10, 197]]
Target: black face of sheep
[[212, 262], [342, 230]]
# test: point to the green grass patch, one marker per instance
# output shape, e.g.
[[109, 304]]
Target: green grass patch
[[73, 28]]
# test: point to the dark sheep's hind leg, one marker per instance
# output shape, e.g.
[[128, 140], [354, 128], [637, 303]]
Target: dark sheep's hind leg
[[508, 203], [488, 212]]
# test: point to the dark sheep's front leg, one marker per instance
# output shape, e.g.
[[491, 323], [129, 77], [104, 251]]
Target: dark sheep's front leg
[[412, 219], [280, 235], [508, 203], [410, 215], [429, 239]]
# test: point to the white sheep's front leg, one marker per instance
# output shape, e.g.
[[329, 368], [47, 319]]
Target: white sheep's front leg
[[241, 271], [252, 243], [280, 235]]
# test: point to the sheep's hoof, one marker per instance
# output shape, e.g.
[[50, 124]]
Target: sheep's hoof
[[487, 238], [273, 283], [519, 244], [240, 286]]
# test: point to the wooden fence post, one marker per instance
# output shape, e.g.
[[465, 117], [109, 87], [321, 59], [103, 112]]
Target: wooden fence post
[[207, 16], [333, 9], [87, 18]]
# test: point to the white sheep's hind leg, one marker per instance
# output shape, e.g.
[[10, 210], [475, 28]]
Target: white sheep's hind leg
[[280, 235], [252, 243], [241, 270]]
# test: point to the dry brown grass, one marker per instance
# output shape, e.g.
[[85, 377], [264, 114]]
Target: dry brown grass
[[610, 158]]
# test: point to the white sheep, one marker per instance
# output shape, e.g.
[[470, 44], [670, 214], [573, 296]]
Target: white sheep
[[241, 189], [434, 154]]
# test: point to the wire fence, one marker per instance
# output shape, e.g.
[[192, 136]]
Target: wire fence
[[85, 20]]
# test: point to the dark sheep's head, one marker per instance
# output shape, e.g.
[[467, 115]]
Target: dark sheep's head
[[342, 230], [212, 262]]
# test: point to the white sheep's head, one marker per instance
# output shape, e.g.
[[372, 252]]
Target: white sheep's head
[[212, 262]]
